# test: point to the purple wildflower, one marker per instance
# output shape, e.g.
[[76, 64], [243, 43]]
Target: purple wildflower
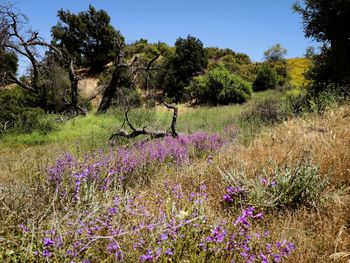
[[46, 253], [48, 242], [146, 257]]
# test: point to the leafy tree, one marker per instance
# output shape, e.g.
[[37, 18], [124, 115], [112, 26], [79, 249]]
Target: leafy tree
[[237, 63], [219, 86], [88, 36], [275, 57], [215, 53], [189, 60], [16, 113], [275, 53], [266, 78], [328, 22]]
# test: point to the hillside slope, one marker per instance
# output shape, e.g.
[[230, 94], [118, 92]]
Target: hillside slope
[[298, 66]]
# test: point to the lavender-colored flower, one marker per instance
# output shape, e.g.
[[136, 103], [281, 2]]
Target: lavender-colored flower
[[119, 163], [46, 253], [23, 228], [228, 199], [48, 242], [263, 258], [163, 236], [113, 248], [147, 257], [168, 252], [218, 235], [276, 258]]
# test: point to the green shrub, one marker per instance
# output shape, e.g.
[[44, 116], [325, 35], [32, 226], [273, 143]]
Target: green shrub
[[267, 112], [219, 86], [266, 78], [286, 187], [314, 100], [17, 116]]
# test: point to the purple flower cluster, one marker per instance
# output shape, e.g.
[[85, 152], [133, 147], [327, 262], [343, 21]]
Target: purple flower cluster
[[172, 225], [240, 242], [113, 168], [126, 231], [232, 193]]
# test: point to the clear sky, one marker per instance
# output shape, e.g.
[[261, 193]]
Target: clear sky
[[248, 26]]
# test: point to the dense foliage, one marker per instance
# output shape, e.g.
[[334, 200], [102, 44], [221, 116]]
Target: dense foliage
[[189, 60], [266, 78], [235, 62], [219, 86], [8, 65], [18, 115], [88, 36], [327, 22]]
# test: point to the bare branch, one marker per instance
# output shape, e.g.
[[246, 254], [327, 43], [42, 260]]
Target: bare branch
[[142, 131], [18, 82], [173, 122]]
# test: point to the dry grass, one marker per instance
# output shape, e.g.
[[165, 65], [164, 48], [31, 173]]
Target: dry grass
[[325, 140]]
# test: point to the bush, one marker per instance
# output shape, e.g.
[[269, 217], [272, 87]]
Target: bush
[[219, 86], [318, 99], [16, 116], [266, 78], [267, 112], [287, 187]]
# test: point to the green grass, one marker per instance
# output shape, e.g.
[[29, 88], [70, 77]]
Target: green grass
[[93, 131]]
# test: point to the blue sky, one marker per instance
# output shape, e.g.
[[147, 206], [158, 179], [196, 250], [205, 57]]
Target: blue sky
[[248, 26]]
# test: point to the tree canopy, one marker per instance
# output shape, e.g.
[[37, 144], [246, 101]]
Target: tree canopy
[[88, 36], [328, 22], [275, 53], [189, 60]]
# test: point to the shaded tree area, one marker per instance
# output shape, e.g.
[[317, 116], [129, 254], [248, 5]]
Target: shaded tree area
[[50, 82], [9, 64], [328, 23]]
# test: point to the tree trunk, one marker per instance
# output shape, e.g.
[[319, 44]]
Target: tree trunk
[[109, 91], [74, 86], [340, 46]]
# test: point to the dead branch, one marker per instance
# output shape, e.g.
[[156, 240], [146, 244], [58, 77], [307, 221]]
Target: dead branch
[[142, 131]]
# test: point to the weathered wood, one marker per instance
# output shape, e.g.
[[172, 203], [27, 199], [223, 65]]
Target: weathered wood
[[142, 131]]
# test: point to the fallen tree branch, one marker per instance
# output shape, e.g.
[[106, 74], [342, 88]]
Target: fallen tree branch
[[142, 131]]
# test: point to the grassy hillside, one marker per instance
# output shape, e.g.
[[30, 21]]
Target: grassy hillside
[[298, 66]]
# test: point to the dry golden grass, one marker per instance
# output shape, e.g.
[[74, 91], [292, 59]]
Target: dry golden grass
[[24, 163], [324, 140]]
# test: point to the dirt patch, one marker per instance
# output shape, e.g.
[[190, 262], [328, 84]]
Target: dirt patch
[[89, 89]]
